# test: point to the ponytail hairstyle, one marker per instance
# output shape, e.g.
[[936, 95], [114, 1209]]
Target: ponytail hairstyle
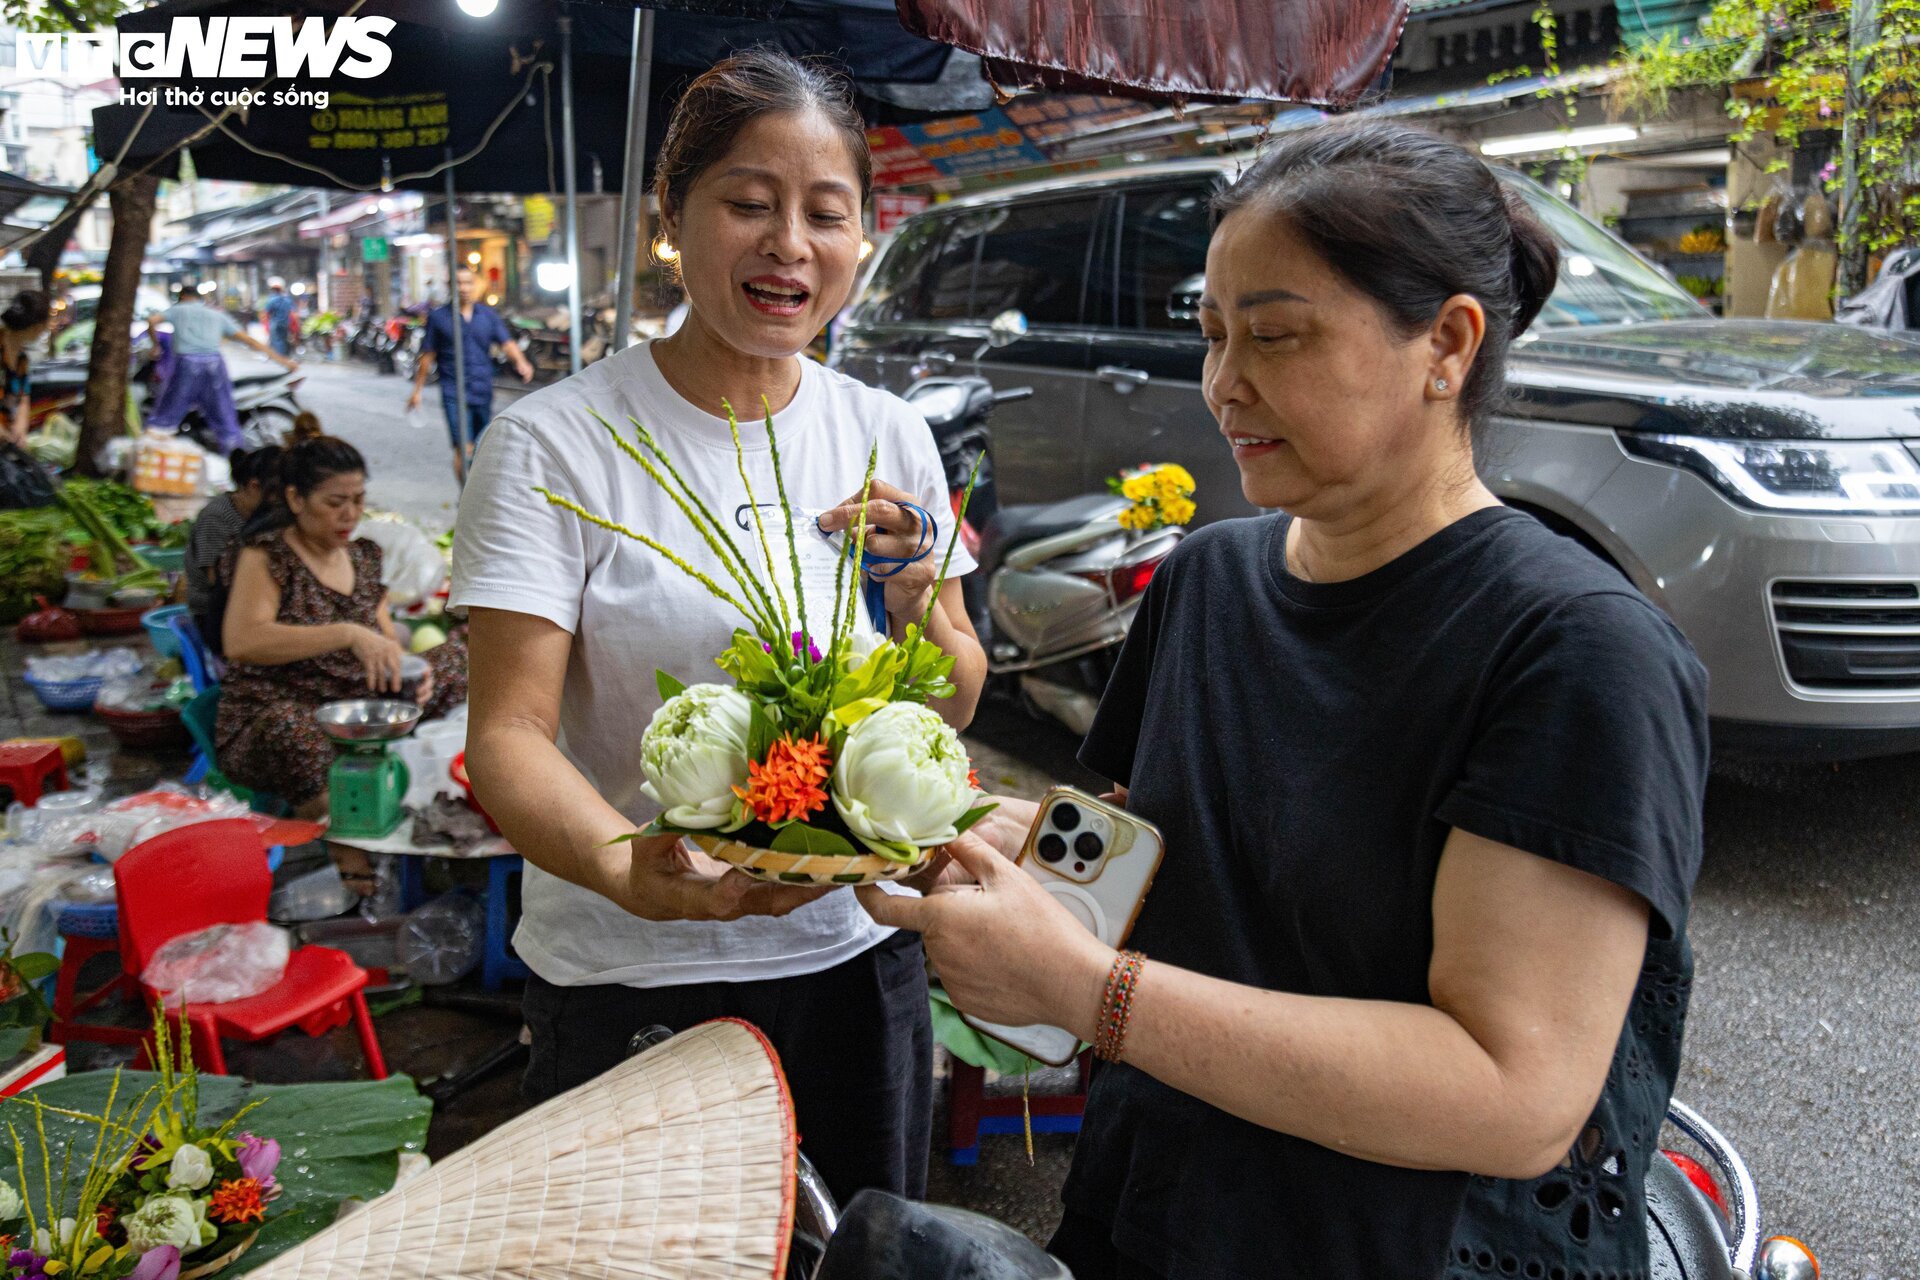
[[303, 468], [28, 308], [1410, 220], [306, 426]]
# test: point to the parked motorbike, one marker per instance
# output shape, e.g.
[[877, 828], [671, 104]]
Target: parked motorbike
[[397, 349], [1058, 582], [264, 400], [1702, 1224], [546, 342]]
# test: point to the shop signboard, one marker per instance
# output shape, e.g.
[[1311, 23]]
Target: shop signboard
[[538, 213], [1050, 118], [891, 208], [374, 249], [973, 145], [895, 161]]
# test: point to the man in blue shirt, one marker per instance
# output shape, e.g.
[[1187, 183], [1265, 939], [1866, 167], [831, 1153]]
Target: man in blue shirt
[[275, 315], [482, 329]]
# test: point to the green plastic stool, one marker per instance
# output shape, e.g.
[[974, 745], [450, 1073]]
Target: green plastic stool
[[199, 716]]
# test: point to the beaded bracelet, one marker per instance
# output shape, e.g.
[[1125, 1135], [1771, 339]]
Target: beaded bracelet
[[1116, 1009]]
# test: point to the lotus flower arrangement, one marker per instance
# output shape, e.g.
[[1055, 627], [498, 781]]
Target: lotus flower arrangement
[[821, 762], [157, 1192]]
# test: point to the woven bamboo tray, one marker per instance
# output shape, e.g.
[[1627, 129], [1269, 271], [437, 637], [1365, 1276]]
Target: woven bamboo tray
[[802, 868], [676, 1163], [214, 1266]]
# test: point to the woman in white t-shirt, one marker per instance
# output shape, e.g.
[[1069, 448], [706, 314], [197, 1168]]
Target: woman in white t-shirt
[[761, 181]]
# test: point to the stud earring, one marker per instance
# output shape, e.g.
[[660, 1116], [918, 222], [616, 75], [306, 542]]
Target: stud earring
[[1439, 384]]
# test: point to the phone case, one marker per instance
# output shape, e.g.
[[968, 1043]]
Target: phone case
[[1103, 881]]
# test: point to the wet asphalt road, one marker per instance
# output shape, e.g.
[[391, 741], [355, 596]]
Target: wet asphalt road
[[1803, 1044]]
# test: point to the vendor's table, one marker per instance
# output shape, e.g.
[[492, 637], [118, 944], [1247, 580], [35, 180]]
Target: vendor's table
[[497, 963]]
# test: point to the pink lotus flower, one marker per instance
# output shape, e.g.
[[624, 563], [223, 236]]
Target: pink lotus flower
[[162, 1263], [259, 1157]]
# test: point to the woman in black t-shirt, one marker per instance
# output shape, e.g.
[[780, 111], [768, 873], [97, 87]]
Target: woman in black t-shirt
[[1430, 779]]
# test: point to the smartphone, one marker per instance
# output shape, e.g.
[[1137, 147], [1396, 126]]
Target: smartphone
[[1099, 861]]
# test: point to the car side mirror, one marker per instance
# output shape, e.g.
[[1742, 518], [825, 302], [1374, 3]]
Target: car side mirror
[[1183, 300], [1007, 328]]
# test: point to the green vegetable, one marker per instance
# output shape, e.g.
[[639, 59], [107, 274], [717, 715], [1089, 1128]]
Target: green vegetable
[[33, 559]]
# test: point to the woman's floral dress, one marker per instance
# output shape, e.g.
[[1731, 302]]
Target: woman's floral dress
[[266, 737]]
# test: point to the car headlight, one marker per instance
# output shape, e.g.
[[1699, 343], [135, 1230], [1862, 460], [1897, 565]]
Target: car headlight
[[1852, 477]]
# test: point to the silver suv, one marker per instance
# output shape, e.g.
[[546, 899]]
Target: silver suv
[[1760, 480]]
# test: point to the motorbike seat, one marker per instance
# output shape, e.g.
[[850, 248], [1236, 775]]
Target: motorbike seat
[[882, 1237], [1685, 1238], [1018, 525]]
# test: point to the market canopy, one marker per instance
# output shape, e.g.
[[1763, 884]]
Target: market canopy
[[487, 89], [1326, 52], [16, 191]]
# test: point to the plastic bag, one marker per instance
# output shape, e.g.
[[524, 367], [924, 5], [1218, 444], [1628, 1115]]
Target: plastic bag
[[109, 664], [23, 482], [441, 941], [92, 886], [411, 566], [131, 693], [219, 963], [119, 826], [317, 895]]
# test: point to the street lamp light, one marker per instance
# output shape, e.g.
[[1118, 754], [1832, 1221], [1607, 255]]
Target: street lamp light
[[479, 8], [553, 276]]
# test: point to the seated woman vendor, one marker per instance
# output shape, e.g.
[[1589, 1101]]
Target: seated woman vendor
[[308, 623]]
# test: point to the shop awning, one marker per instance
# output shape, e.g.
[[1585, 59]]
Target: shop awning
[[1320, 51], [482, 89], [16, 191]]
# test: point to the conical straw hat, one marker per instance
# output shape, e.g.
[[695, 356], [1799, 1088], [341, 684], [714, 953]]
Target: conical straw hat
[[676, 1163]]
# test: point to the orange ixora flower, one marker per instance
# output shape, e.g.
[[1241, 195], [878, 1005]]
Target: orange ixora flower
[[790, 783], [237, 1201]]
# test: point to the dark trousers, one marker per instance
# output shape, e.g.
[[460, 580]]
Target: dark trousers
[[855, 1043], [1086, 1245]]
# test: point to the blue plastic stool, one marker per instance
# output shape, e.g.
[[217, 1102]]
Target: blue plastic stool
[[498, 964], [194, 654]]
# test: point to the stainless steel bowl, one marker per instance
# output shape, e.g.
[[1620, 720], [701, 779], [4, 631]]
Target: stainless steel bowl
[[368, 719]]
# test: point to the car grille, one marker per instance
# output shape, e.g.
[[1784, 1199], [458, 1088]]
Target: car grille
[[1849, 636]]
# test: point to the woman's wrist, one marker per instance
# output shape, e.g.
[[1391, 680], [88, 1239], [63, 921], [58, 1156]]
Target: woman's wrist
[[1080, 988]]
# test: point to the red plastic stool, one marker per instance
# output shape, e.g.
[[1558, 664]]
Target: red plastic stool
[[31, 769], [971, 1113], [68, 1004]]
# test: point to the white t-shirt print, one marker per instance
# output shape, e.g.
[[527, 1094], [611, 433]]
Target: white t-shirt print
[[631, 612]]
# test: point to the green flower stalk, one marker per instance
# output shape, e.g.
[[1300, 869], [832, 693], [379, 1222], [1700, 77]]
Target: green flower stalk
[[705, 522], [959, 518], [675, 560], [786, 511], [859, 549], [766, 549]]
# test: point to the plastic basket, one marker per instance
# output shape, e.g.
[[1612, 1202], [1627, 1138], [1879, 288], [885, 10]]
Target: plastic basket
[[147, 730], [88, 920], [66, 695], [110, 622], [165, 559], [165, 643]]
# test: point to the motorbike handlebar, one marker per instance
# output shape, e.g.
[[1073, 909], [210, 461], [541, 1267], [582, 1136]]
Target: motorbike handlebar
[[1012, 393]]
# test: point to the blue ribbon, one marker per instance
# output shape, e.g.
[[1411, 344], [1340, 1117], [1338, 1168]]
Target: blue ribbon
[[879, 568]]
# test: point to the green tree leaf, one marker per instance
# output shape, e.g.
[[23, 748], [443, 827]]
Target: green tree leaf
[[798, 837]]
